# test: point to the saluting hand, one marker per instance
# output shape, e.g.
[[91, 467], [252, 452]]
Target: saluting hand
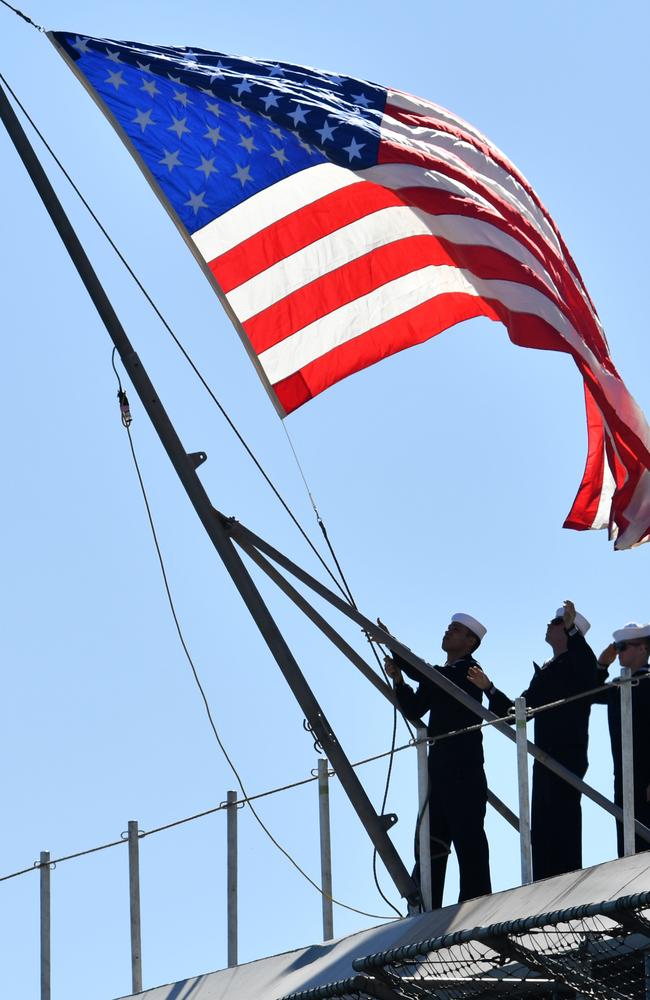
[[607, 656], [569, 614], [476, 676]]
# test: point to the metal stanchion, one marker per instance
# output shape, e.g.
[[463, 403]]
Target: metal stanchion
[[424, 839], [46, 980], [627, 759], [524, 799], [134, 903], [231, 889], [325, 848]]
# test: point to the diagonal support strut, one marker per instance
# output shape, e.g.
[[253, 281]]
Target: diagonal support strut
[[185, 467]]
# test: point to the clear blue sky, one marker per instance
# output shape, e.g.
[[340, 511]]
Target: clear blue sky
[[443, 475]]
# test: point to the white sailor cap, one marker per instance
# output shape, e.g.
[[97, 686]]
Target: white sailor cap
[[632, 631], [471, 623], [581, 622]]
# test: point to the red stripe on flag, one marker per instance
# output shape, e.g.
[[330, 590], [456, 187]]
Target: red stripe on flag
[[298, 230], [369, 272], [420, 120], [417, 120], [413, 327], [585, 506], [437, 202]]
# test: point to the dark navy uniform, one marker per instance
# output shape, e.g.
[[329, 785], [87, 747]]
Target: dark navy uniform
[[457, 785], [563, 732], [641, 744]]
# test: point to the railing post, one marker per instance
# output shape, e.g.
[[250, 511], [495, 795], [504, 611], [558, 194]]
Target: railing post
[[524, 799], [46, 981], [627, 759], [134, 905], [231, 889], [424, 838], [325, 848]]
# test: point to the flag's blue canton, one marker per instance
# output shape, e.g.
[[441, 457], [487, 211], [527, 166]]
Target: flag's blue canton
[[214, 130]]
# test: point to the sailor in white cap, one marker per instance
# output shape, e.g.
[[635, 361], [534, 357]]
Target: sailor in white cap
[[632, 646], [457, 784], [563, 732]]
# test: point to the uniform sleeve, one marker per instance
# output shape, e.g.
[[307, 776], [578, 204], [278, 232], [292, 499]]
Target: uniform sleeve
[[413, 704], [500, 703], [602, 697]]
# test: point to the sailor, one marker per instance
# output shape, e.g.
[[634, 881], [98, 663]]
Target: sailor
[[556, 815], [632, 645], [457, 785]]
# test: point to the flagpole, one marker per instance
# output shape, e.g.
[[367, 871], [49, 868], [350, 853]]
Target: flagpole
[[185, 466]]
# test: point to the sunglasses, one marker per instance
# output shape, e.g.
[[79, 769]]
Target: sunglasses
[[622, 646]]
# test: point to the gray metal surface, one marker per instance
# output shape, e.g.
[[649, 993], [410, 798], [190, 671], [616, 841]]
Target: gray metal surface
[[325, 848], [231, 889], [424, 829], [134, 906], [214, 523], [46, 984], [627, 760], [316, 965], [248, 541], [524, 799]]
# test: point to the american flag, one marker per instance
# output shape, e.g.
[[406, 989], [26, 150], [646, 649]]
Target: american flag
[[341, 222]]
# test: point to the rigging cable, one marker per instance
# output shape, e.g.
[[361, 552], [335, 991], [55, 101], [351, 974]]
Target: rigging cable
[[39, 27], [344, 589], [126, 423], [303, 781], [171, 333], [373, 645]]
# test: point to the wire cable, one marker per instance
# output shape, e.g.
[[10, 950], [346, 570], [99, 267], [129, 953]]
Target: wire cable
[[200, 815], [302, 781], [375, 646], [173, 336], [342, 587], [383, 809], [15, 10], [197, 680]]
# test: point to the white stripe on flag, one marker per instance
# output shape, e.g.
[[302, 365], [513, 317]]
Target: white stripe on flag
[[638, 514], [607, 490], [360, 237], [465, 157], [269, 206], [396, 297], [402, 175], [418, 106], [399, 175]]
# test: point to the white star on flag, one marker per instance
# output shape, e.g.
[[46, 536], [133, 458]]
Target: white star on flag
[[196, 201], [299, 115], [179, 126], [116, 80], [171, 160], [242, 174], [150, 87], [143, 118], [354, 149]]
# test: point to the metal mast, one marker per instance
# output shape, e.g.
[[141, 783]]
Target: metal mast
[[185, 466]]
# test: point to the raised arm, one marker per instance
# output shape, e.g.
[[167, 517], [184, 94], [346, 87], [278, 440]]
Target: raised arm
[[499, 703], [414, 704]]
